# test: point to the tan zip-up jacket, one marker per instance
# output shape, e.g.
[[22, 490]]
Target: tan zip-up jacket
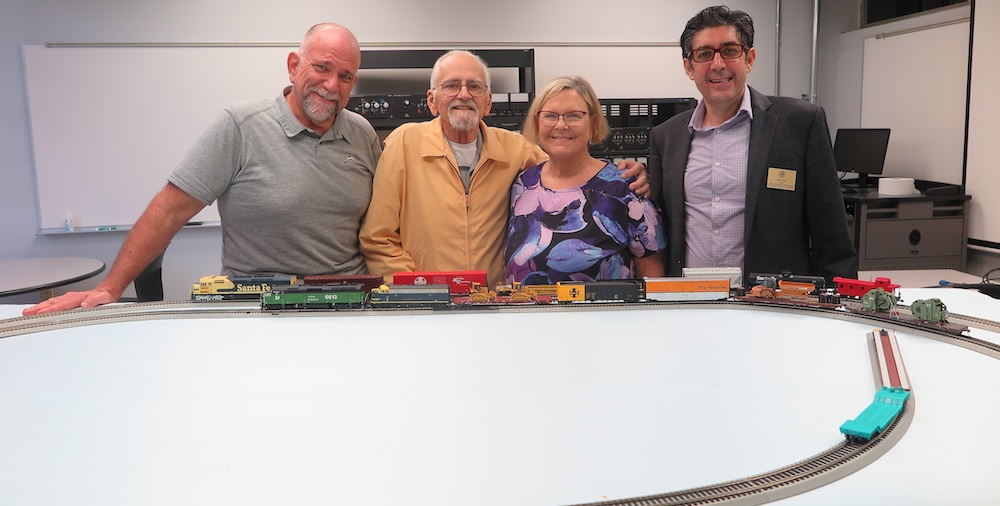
[[421, 219]]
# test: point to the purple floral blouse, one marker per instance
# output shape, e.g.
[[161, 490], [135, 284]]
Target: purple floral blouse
[[578, 234]]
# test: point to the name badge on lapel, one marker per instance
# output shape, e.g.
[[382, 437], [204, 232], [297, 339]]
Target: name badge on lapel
[[781, 179]]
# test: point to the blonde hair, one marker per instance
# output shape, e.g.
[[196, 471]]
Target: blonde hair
[[598, 123]]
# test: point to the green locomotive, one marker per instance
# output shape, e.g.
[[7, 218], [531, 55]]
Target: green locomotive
[[332, 296]]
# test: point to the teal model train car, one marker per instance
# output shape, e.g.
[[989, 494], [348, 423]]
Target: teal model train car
[[883, 410], [332, 296]]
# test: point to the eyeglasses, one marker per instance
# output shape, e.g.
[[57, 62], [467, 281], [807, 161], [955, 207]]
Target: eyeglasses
[[570, 118], [453, 88], [706, 54]]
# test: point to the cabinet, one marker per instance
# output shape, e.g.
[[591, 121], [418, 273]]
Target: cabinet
[[908, 232]]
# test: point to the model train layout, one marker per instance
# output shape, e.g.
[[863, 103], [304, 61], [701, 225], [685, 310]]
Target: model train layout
[[877, 298], [865, 437], [458, 289]]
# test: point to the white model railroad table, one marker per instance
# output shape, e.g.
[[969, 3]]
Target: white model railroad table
[[42, 274], [446, 407]]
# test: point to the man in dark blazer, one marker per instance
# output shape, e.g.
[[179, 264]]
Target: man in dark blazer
[[746, 180]]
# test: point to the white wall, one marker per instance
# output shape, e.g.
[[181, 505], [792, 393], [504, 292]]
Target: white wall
[[841, 59], [842, 56], [194, 253], [927, 113]]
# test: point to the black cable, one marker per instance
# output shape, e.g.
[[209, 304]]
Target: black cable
[[988, 286]]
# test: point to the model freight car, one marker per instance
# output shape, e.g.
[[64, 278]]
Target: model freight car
[[369, 281], [685, 289], [858, 288], [459, 282], [774, 280], [886, 406], [733, 274], [625, 290]]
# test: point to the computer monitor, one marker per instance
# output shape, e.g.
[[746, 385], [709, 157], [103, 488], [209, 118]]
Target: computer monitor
[[861, 151]]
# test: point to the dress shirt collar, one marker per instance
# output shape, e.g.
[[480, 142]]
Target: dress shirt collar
[[698, 118]]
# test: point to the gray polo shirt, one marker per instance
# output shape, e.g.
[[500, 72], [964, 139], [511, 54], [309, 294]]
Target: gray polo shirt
[[290, 201]]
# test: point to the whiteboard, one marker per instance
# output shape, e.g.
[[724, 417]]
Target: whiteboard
[[109, 124], [915, 84], [982, 176]]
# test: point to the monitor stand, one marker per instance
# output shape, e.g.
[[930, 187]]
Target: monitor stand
[[861, 183], [865, 182]]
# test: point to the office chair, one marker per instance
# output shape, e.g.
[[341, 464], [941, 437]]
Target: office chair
[[149, 283]]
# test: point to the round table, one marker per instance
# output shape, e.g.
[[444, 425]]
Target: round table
[[25, 275]]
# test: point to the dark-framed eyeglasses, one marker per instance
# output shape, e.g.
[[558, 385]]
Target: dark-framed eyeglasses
[[454, 87], [573, 118], [707, 54]]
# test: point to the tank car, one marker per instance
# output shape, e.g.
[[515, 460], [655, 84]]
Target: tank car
[[774, 280]]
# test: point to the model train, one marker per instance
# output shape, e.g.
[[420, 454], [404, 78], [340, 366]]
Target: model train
[[463, 288], [858, 288], [316, 296], [451, 289], [238, 287]]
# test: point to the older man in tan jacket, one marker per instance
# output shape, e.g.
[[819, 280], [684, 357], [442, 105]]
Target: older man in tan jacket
[[442, 188]]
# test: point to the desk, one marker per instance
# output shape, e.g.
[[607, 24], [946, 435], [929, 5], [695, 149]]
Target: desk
[[908, 231], [25, 275]]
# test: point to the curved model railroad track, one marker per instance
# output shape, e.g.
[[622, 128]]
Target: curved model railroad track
[[809, 474], [814, 472]]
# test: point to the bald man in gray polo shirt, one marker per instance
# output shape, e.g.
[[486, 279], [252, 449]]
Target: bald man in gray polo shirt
[[292, 177]]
